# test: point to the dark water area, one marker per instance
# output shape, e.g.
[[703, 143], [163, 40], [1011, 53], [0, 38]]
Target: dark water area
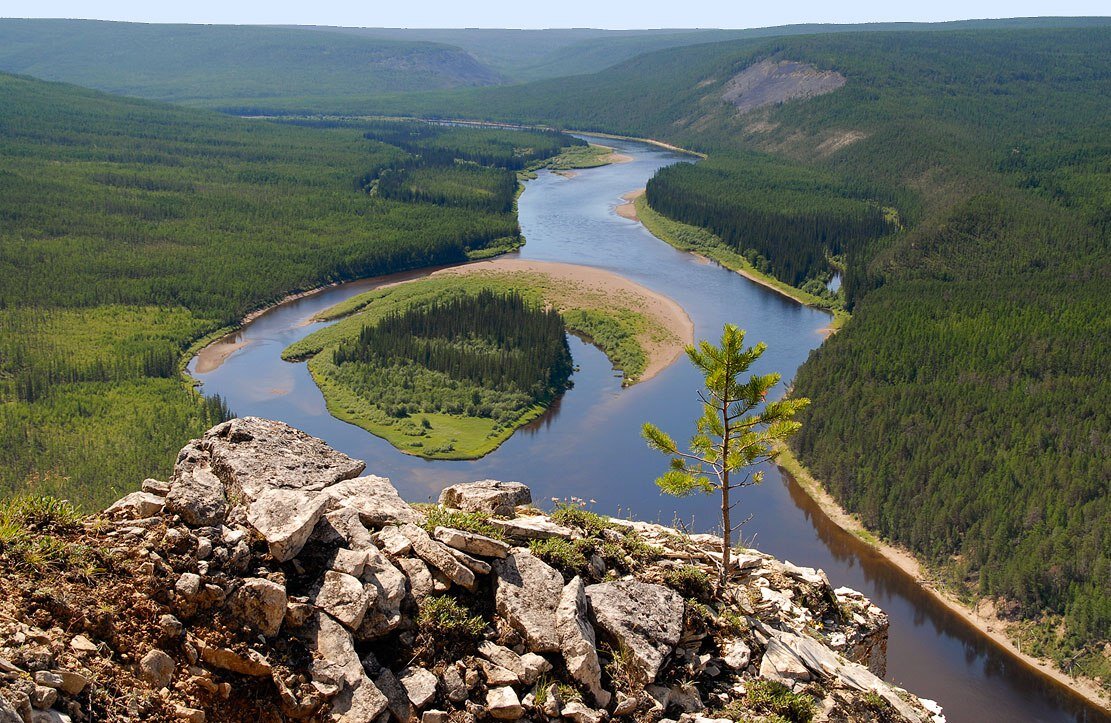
[[589, 446]]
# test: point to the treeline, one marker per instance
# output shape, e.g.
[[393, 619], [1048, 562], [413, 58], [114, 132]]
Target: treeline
[[788, 221], [460, 184], [492, 340], [969, 421], [443, 144], [129, 230]]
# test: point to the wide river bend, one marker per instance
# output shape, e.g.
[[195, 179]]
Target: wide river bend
[[589, 446]]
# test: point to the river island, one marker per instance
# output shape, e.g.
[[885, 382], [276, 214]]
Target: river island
[[468, 404]]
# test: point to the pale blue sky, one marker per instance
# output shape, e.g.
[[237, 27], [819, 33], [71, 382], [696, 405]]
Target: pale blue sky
[[542, 13]]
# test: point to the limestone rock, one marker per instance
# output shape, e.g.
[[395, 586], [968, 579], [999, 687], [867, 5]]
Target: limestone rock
[[384, 614], [528, 591], [196, 494], [251, 455], [497, 675], [347, 561], [736, 654], [398, 699], [285, 519], [580, 713], [438, 556], [534, 666], [782, 665], [473, 564], [577, 641], [489, 496], [156, 668], [344, 598], [260, 603], [376, 501], [420, 579], [419, 684], [501, 655], [136, 505], [72, 683], [249, 662], [471, 543], [336, 663], [643, 617], [343, 528], [8, 713], [503, 703], [392, 542]]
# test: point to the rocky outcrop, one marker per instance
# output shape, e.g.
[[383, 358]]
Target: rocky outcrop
[[526, 595], [645, 619], [771, 82], [274, 586], [489, 496]]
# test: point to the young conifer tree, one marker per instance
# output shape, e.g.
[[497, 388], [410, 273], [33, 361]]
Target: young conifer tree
[[738, 430]]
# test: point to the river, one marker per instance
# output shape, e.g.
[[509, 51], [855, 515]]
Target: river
[[589, 446]]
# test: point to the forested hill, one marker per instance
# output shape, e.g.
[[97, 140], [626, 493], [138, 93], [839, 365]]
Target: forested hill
[[963, 411], [185, 63], [130, 229], [525, 55]]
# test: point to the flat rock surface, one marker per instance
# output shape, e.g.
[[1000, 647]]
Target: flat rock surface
[[527, 593], [644, 617], [490, 496], [250, 454], [577, 641], [376, 501], [285, 519]]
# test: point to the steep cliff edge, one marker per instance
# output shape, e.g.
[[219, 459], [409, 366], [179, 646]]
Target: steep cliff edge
[[269, 581]]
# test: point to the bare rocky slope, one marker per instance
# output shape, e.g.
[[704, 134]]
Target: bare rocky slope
[[269, 581]]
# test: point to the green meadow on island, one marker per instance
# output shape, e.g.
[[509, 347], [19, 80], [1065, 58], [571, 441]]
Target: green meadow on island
[[158, 183]]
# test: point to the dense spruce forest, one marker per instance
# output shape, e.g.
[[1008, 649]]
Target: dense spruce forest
[[962, 411], [129, 230], [487, 354], [790, 221]]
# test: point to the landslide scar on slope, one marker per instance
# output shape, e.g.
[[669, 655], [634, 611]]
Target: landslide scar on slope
[[770, 82]]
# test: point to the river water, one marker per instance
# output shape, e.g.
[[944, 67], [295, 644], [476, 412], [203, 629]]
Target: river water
[[589, 446]]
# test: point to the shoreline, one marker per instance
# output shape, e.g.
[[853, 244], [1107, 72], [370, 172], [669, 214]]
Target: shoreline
[[631, 210], [988, 624], [660, 332]]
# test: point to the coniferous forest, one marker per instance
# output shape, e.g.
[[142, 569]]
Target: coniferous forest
[[494, 354], [130, 230], [962, 410]]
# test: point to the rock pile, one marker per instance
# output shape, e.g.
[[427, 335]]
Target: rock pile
[[282, 585]]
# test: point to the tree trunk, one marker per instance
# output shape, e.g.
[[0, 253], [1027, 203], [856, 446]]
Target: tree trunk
[[726, 528], [726, 533]]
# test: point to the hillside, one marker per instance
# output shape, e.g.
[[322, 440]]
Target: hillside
[[526, 55], [184, 63], [962, 412], [129, 230], [270, 580]]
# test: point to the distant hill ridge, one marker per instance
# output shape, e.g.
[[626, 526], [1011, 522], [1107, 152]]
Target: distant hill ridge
[[183, 63]]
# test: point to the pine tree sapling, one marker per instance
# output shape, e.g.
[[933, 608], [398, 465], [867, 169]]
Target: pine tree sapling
[[737, 429]]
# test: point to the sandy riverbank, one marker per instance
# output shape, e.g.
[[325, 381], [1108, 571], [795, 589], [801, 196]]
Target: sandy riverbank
[[982, 618], [613, 156], [212, 356], [586, 281], [629, 208]]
